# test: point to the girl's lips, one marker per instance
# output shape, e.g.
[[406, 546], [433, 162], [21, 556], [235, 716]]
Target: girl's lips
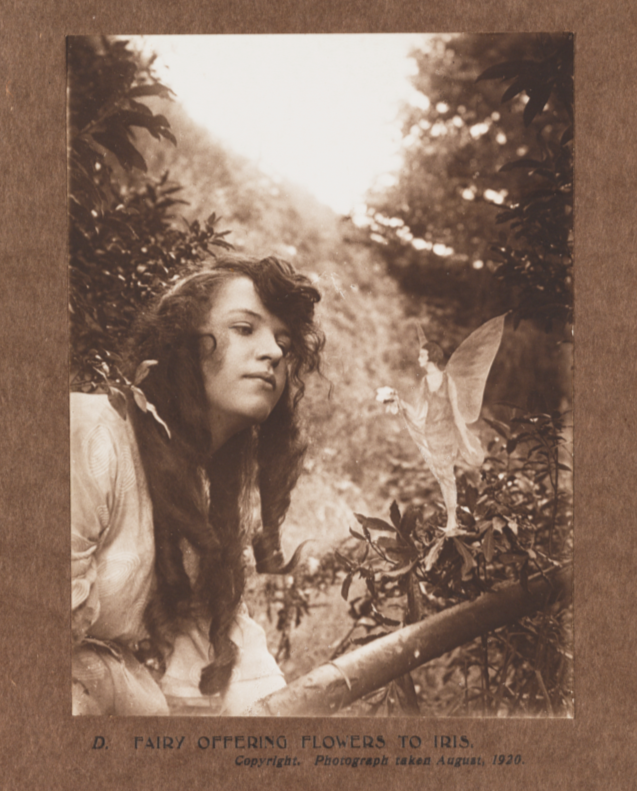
[[264, 377]]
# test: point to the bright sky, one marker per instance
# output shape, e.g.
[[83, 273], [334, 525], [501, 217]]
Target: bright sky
[[319, 110]]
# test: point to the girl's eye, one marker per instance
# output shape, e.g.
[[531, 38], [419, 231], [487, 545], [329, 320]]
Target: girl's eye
[[243, 329], [285, 347]]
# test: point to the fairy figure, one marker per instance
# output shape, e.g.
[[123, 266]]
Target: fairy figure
[[450, 398]]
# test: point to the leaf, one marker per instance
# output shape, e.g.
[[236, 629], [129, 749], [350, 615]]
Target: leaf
[[157, 89], [117, 400], [356, 535], [344, 561], [514, 89], [396, 573], [512, 538], [504, 71], [161, 120], [140, 399], [488, 544], [380, 618], [434, 554], [498, 523], [538, 99], [155, 414], [409, 521], [497, 425], [143, 370], [394, 513], [468, 560], [127, 155], [372, 523], [170, 136], [134, 118], [140, 108], [391, 551], [387, 542], [346, 585], [471, 496]]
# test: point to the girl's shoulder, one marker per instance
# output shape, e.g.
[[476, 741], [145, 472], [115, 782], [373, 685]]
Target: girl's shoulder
[[91, 412], [92, 407]]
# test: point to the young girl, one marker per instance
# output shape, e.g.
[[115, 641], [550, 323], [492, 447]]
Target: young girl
[[161, 509]]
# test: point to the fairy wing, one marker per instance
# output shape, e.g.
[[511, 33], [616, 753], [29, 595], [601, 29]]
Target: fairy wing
[[470, 364]]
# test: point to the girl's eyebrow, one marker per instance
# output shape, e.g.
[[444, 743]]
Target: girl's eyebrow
[[245, 312]]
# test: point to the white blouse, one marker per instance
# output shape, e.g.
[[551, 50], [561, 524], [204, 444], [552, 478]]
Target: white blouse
[[113, 553]]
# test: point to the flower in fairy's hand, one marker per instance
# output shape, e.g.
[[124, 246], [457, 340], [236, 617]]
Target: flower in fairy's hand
[[389, 397]]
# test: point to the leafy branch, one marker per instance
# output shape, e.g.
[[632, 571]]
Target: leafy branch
[[537, 258], [126, 243]]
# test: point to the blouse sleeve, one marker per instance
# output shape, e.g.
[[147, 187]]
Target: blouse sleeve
[[255, 675], [93, 475]]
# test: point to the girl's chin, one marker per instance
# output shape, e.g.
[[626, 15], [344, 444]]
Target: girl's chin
[[244, 415], [259, 413]]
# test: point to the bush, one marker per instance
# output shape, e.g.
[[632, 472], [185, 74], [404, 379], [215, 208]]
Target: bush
[[125, 243]]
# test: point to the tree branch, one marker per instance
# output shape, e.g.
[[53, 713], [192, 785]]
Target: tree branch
[[330, 687]]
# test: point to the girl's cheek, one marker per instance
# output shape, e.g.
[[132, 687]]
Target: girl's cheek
[[217, 359]]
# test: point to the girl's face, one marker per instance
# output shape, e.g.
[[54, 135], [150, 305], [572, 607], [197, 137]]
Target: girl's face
[[245, 374]]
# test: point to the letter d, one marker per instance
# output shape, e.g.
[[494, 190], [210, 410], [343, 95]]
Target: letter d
[[99, 742]]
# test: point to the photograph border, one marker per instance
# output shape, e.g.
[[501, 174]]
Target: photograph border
[[43, 745]]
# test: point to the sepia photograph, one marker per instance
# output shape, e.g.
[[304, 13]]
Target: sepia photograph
[[321, 328], [300, 375]]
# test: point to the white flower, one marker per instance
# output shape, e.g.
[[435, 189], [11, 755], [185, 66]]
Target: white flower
[[385, 395], [389, 397], [313, 565]]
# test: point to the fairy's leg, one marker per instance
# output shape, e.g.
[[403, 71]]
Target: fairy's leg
[[446, 478]]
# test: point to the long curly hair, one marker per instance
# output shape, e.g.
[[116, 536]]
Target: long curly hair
[[201, 496]]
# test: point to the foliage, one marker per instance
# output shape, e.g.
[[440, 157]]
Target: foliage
[[516, 522], [459, 165], [537, 257], [293, 597], [124, 244]]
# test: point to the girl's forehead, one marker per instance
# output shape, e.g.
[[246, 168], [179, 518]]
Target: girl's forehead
[[237, 297]]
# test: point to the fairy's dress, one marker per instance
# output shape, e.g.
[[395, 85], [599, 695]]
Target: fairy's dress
[[442, 439], [113, 554]]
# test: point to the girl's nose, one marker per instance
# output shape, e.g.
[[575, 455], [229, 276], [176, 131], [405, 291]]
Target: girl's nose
[[269, 348]]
